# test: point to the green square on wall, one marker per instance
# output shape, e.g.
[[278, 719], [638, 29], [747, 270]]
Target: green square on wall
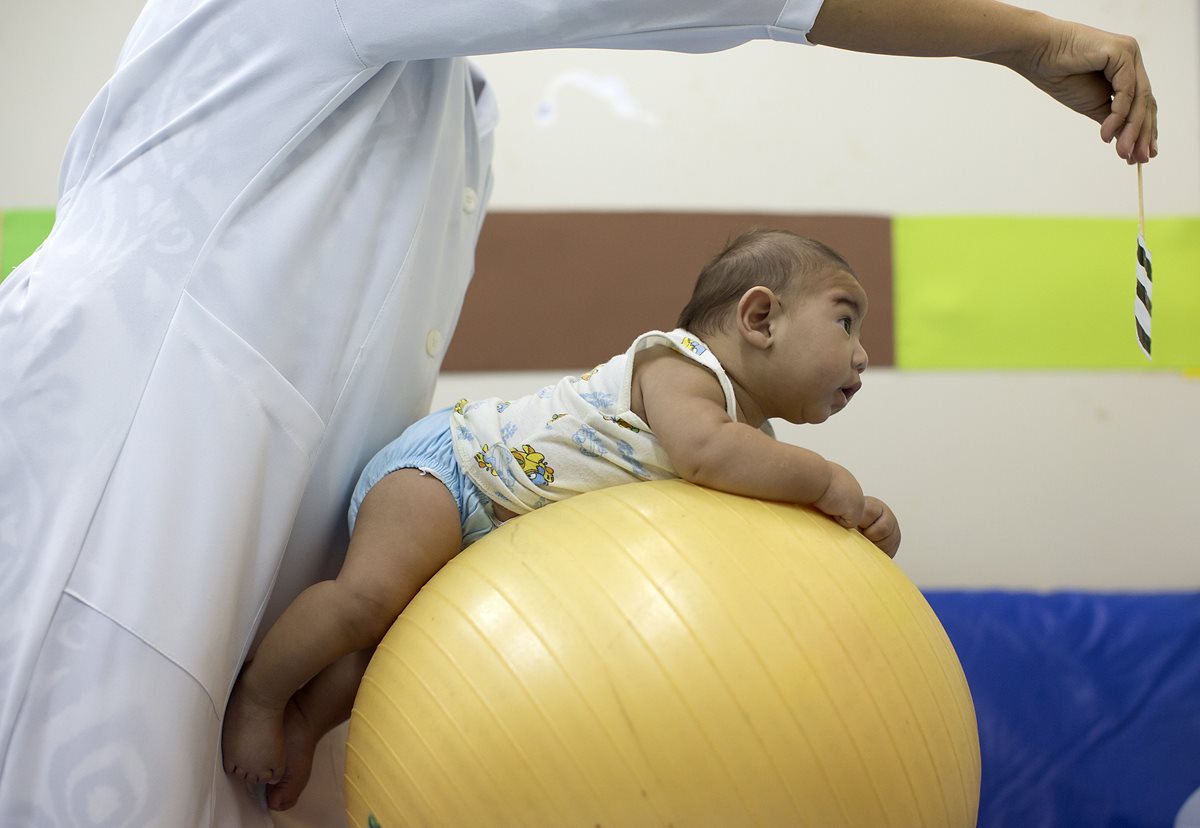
[[21, 231], [1005, 292]]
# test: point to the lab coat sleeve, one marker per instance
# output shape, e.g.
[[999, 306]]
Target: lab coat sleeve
[[395, 30]]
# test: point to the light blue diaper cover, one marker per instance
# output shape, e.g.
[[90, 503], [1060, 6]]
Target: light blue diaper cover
[[425, 445]]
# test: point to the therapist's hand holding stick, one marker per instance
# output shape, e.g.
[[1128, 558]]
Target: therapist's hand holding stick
[[1094, 72]]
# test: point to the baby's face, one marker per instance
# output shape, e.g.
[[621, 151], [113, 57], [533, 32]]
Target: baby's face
[[818, 356]]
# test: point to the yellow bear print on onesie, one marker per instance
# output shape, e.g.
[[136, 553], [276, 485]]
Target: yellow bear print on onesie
[[484, 463], [533, 463]]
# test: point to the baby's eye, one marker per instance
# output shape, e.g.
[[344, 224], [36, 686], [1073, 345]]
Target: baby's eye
[[845, 322]]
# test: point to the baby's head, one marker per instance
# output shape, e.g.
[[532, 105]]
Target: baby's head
[[784, 315], [781, 261]]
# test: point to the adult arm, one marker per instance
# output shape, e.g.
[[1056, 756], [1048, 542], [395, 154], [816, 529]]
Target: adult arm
[[387, 30], [1091, 71], [1094, 72]]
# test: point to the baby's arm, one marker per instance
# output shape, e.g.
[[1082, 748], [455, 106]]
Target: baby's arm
[[685, 408]]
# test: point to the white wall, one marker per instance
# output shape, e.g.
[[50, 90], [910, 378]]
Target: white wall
[[1010, 480], [775, 127], [54, 57], [1032, 480], [767, 126]]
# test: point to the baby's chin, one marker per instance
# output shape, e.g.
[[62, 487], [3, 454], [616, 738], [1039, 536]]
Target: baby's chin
[[812, 419], [835, 408], [812, 414]]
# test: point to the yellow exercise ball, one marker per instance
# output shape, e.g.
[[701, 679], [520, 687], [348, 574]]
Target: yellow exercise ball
[[663, 654]]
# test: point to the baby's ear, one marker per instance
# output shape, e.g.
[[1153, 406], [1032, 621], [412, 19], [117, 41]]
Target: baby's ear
[[755, 314]]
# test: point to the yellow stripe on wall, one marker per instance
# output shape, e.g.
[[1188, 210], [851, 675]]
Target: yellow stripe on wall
[[1004, 292]]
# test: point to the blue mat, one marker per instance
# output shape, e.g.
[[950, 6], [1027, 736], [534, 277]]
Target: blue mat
[[1088, 704]]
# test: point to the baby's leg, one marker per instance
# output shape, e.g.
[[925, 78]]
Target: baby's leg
[[319, 707], [252, 742], [407, 528]]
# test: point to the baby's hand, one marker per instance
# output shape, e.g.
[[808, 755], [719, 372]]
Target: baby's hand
[[878, 525], [843, 498]]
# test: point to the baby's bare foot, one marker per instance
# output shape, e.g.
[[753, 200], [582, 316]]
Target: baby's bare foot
[[252, 739], [300, 740]]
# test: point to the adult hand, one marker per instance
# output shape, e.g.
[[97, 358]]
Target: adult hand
[[878, 525], [1094, 72], [1102, 76]]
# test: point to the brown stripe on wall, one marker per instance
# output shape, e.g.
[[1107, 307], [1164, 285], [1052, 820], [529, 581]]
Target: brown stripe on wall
[[568, 290]]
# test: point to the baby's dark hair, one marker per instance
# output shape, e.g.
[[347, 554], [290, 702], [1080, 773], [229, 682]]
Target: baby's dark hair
[[775, 259]]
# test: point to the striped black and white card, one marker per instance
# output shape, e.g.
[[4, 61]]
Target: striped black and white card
[[1143, 300], [1144, 292]]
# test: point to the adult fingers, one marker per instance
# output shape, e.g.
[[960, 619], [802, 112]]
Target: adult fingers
[[1133, 118], [1146, 146], [1134, 143], [1121, 72]]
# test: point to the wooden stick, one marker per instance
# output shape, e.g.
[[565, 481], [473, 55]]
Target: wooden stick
[[1141, 208]]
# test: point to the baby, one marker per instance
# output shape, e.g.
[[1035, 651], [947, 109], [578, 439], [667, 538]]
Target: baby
[[772, 330]]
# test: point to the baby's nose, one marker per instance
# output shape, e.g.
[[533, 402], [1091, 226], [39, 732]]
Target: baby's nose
[[860, 359]]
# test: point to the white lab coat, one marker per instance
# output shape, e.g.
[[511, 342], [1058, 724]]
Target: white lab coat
[[265, 230]]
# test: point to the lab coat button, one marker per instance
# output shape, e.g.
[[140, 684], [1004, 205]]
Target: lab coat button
[[470, 200], [433, 342]]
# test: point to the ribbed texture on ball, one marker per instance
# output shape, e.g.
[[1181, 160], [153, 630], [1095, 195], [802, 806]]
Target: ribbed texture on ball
[[661, 654]]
